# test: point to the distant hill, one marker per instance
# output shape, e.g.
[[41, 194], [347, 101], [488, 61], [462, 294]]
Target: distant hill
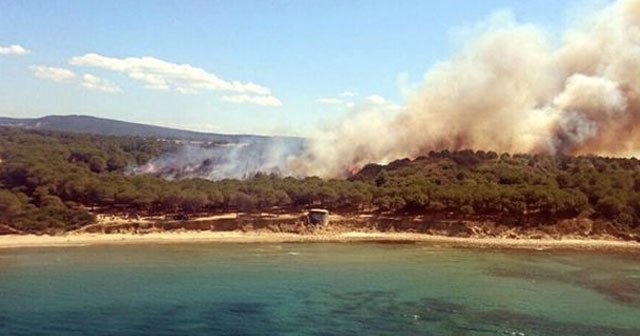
[[101, 126]]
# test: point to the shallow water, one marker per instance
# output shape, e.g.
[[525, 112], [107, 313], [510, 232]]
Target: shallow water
[[316, 289]]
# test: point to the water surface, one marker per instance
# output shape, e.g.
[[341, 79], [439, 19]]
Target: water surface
[[316, 289]]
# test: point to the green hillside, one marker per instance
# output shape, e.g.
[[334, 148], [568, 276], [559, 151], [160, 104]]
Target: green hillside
[[51, 181]]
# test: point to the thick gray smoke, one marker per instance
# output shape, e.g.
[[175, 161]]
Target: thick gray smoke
[[510, 88]]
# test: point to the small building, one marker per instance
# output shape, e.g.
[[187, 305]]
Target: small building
[[318, 216]]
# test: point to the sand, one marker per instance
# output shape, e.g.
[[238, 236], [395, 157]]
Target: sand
[[84, 239]]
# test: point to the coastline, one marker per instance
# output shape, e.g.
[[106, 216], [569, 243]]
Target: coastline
[[13, 241]]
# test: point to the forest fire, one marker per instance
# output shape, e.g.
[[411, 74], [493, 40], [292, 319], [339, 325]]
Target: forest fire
[[241, 160], [353, 170], [508, 89]]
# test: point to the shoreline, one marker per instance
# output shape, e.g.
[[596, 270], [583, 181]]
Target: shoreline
[[179, 237]]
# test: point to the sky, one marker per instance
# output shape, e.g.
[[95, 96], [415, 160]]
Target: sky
[[262, 67]]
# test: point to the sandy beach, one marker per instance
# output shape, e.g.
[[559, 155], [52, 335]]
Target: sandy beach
[[83, 239]]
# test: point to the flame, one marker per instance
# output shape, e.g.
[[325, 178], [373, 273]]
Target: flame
[[353, 170]]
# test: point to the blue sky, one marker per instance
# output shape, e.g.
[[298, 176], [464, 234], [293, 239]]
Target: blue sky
[[268, 67]]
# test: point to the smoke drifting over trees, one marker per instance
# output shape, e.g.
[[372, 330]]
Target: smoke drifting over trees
[[234, 160], [512, 88]]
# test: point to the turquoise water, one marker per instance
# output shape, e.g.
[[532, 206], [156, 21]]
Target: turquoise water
[[316, 289]]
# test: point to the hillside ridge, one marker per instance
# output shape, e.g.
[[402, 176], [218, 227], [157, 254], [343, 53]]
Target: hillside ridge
[[103, 126]]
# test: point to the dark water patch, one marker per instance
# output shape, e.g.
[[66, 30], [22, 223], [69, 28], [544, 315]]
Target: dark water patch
[[381, 313], [384, 313], [514, 323], [626, 290], [234, 318], [4, 325], [226, 318], [376, 312], [621, 286]]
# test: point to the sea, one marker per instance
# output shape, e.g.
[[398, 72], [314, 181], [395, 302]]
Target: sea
[[317, 289]]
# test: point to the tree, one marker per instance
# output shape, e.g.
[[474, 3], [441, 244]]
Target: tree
[[53, 202], [10, 205], [244, 202], [609, 206], [97, 164], [382, 178], [116, 163], [194, 201]]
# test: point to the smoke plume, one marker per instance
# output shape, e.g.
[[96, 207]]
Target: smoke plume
[[234, 160], [510, 88]]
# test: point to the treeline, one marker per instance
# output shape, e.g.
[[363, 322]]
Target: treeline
[[48, 179], [52, 181]]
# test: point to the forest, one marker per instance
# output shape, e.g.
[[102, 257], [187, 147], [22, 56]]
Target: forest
[[54, 181]]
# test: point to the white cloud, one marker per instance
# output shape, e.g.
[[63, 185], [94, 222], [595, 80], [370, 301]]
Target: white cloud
[[341, 99], [87, 81], [162, 75], [52, 73], [257, 100], [377, 100], [153, 82], [329, 101], [14, 50], [92, 82]]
